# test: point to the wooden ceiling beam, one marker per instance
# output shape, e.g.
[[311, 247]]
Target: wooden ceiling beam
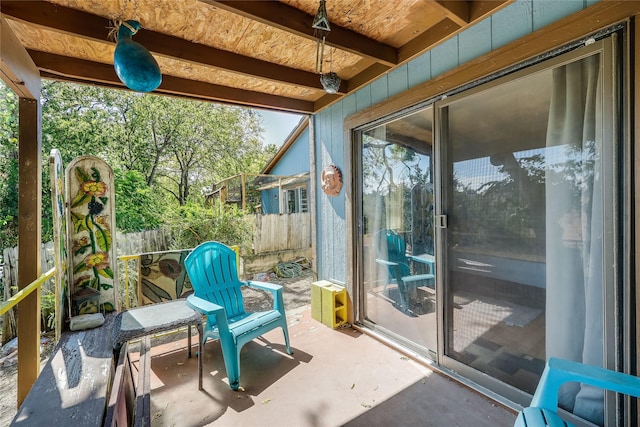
[[74, 68], [456, 10], [17, 69], [82, 71], [480, 9], [325, 100], [228, 95], [94, 27], [295, 21]]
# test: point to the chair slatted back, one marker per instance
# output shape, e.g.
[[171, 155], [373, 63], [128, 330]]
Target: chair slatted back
[[213, 274], [392, 247]]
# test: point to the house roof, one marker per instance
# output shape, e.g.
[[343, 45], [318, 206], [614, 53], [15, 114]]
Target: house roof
[[288, 142], [252, 53]]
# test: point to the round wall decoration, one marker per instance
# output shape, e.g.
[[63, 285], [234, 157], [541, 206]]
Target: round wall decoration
[[331, 180]]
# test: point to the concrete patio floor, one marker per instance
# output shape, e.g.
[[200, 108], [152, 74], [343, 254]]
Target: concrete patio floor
[[334, 378]]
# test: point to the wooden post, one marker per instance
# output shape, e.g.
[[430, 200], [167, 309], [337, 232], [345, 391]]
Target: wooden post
[[29, 242], [313, 210], [19, 72]]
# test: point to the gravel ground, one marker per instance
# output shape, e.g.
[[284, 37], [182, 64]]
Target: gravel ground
[[296, 292]]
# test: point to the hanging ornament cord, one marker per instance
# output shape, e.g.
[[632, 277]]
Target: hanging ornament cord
[[321, 29], [119, 19], [117, 23], [320, 53], [330, 61]]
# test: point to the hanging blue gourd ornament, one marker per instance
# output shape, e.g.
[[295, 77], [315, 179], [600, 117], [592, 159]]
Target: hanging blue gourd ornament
[[134, 65]]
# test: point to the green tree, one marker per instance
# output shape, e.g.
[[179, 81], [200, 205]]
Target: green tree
[[148, 126], [212, 142], [8, 167], [77, 120], [195, 223], [138, 207]]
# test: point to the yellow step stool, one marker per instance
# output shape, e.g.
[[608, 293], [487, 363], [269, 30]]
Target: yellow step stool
[[328, 303]]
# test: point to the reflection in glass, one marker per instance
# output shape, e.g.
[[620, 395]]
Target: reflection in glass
[[397, 217], [525, 232]]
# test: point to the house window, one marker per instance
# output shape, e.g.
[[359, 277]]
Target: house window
[[295, 200]]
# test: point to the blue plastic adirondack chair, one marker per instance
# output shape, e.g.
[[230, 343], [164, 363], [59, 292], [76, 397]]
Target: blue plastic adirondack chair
[[543, 410], [391, 249], [217, 293]]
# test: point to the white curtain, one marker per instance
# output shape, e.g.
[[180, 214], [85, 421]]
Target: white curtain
[[574, 229]]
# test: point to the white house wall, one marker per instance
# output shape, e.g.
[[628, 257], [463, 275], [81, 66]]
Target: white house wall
[[511, 23]]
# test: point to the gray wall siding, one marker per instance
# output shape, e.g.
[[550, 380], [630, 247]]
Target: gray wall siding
[[517, 20]]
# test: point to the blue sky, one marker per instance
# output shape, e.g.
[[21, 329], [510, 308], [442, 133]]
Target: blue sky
[[278, 125]]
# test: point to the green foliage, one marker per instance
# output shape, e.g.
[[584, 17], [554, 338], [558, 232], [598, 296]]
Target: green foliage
[[138, 207], [194, 223], [47, 310], [507, 211], [77, 120], [8, 168]]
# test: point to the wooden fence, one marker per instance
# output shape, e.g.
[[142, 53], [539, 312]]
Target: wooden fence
[[275, 233], [10, 284], [146, 241]]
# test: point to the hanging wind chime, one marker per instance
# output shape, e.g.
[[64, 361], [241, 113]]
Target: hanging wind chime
[[330, 81], [134, 64]]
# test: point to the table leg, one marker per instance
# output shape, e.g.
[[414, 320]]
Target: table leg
[[189, 340]]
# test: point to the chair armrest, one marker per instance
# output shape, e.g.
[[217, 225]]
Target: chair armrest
[[210, 310], [203, 306], [560, 371], [276, 291], [265, 286], [387, 263], [421, 260]]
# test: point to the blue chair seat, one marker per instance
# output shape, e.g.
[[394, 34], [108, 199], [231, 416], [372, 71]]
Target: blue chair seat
[[248, 322], [418, 278]]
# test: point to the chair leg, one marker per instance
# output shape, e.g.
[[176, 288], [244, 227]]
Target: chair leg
[[231, 357], [404, 296], [285, 331], [234, 372]]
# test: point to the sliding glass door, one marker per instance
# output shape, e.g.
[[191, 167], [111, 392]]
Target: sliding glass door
[[397, 221], [529, 194]]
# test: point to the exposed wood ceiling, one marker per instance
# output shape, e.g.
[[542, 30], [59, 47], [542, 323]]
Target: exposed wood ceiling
[[253, 53]]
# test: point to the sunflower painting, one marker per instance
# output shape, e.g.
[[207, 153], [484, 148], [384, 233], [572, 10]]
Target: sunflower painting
[[90, 222]]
